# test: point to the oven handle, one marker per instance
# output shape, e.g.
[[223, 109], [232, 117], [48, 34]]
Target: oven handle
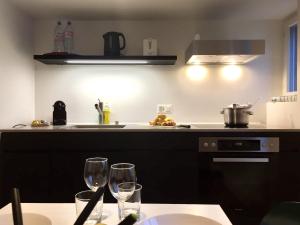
[[241, 160]]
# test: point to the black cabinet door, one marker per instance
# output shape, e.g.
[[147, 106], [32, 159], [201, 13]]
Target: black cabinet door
[[166, 163], [67, 176], [166, 176], [30, 173], [241, 184], [288, 184]]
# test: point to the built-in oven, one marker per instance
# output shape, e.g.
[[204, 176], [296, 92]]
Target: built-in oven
[[239, 173]]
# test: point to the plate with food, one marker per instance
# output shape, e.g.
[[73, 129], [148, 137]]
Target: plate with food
[[163, 121]]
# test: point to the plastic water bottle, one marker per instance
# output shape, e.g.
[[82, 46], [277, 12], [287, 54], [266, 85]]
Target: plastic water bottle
[[68, 38], [59, 38]]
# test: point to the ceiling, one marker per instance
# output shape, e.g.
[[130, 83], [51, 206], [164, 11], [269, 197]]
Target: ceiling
[[158, 9]]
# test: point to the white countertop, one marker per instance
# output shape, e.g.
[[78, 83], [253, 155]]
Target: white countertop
[[147, 128], [64, 213]]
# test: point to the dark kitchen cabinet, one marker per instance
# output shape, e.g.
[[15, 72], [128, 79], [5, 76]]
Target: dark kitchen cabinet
[[166, 164], [27, 171], [48, 167], [288, 182], [164, 175]]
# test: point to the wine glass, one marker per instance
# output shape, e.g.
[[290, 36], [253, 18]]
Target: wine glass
[[95, 172], [122, 180]]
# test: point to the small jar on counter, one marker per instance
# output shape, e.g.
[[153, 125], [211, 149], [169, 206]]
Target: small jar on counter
[[106, 113]]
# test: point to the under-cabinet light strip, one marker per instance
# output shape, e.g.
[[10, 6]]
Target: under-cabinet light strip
[[106, 61]]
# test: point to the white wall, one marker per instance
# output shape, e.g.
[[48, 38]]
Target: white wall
[[16, 67], [286, 114], [134, 91]]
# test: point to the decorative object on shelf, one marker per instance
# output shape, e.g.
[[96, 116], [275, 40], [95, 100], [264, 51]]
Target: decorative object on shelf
[[112, 45], [72, 59], [150, 47]]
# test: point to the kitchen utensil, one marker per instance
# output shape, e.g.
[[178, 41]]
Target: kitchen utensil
[[59, 113], [101, 114], [16, 207], [97, 108], [100, 104], [184, 126], [20, 125], [236, 115], [112, 43]]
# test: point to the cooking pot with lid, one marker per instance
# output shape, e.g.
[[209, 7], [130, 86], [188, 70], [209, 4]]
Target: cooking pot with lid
[[236, 115]]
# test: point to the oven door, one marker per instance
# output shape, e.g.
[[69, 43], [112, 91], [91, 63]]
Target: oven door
[[242, 183]]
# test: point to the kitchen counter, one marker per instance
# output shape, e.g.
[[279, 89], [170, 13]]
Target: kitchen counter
[[64, 213], [147, 128]]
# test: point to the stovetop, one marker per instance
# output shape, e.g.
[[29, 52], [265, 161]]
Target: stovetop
[[222, 126]]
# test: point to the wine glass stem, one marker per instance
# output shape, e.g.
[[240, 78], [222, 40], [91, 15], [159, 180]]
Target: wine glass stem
[[121, 209]]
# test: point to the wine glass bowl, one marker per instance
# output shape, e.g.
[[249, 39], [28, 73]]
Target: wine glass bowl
[[122, 173], [95, 172], [125, 190]]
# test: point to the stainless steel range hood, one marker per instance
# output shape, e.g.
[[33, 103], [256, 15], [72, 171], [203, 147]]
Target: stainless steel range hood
[[216, 52]]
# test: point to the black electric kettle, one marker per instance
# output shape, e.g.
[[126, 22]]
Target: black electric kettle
[[112, 43]]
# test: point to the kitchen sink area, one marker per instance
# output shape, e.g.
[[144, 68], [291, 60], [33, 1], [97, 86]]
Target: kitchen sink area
[[98, 126]]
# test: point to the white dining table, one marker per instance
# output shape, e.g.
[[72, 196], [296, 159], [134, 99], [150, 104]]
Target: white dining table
[[64, 213]]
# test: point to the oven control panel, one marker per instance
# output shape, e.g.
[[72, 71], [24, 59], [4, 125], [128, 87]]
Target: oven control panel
[[239, 144]]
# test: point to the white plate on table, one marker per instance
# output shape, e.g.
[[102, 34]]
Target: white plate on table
[[28, 219], [178, 219]]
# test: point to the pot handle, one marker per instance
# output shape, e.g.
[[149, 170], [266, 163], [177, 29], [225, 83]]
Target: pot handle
[[222, 112], [249, 112]]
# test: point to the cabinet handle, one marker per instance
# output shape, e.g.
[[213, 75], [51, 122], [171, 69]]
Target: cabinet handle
[[242, 160]]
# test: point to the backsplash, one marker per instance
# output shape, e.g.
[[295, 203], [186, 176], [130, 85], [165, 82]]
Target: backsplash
[[197, 93]]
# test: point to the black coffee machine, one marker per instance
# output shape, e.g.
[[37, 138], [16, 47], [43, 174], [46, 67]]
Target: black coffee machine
[[112, 45], [59, 113]]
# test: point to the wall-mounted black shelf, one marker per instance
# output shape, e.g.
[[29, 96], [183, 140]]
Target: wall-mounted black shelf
[[105, 60]]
